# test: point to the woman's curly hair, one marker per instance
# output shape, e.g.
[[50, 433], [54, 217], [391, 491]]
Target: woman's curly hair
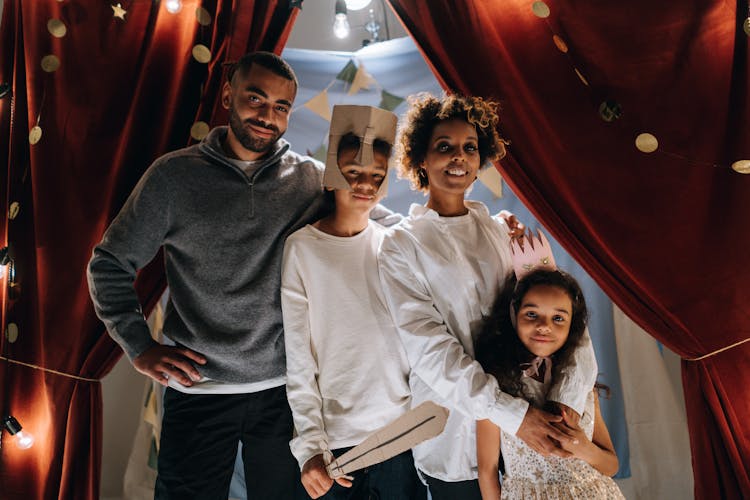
[[498, 348], [425, 111]]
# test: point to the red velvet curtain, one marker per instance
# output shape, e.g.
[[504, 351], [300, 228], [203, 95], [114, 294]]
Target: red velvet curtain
[[126, 91], [666, 234]]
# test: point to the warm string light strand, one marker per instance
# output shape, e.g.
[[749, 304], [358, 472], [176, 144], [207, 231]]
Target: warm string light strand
[[23, 439], [50, 63]]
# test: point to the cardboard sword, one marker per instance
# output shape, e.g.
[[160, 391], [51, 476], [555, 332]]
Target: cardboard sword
[[416, 425]]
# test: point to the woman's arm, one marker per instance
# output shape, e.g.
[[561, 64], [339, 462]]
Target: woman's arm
[[599, 452], [436, 357], [571, 387], [488, 458]]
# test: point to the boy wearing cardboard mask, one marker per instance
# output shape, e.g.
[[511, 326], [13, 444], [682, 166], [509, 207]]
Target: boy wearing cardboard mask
[[347, 372]]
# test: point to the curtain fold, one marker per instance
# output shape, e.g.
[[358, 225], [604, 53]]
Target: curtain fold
[[664, 234], [126, 91]]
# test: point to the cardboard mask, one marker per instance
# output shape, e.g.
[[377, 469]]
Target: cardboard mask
[[366, 122]]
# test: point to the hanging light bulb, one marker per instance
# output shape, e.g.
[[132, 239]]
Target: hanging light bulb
[[341, 28], [173, 6], [5, 260], [24, 440]]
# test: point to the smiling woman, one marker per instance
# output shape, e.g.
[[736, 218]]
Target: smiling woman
[[443, 144], [441, 270]]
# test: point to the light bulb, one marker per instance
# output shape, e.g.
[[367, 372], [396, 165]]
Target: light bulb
[[173, 6], [357, 4], [341, 26], [24, 440]]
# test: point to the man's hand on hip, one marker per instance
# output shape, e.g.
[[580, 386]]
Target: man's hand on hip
[[162, 362]]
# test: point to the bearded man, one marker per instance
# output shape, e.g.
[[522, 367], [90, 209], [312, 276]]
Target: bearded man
[[221, 210]]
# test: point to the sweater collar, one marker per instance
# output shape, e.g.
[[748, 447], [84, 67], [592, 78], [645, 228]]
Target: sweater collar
[[211, 146]]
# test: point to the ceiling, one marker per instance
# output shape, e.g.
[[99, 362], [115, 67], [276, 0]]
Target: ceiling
[[313, 27]]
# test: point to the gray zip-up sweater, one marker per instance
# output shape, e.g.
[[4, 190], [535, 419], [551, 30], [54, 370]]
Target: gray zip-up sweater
[[223, 235]]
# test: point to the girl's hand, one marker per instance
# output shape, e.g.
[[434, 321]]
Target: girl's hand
[[572, 416], [581, 447], [599, 451]]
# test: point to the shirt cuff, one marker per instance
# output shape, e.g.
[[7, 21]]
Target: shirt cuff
[[305, 449], [508, 412]]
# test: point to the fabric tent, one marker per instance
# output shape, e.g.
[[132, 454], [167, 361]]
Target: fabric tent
[[638, 222]]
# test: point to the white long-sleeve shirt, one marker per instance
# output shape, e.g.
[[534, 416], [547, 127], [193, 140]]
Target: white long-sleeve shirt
[[441, 276], [347, 371]]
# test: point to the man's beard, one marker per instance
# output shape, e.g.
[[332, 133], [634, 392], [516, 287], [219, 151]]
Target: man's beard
[[248, 141]]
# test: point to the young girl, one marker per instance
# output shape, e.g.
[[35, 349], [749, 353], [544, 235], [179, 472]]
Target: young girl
[[527, 341]]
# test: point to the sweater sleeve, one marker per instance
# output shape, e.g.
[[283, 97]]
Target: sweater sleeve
[[302, 389], [436, 357], [576, 380], [130, 242]]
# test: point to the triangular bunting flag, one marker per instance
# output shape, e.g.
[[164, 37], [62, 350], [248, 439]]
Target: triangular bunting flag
[[362, 80], [320, 153], [153, 454], [389, 101], [319, 105], [491, 178], [347, 74]]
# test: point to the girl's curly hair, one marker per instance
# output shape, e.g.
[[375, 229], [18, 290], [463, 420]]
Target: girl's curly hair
[[426, 111], [498, 348]]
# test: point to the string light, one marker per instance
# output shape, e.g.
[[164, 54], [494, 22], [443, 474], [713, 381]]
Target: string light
[[5, 260], [24, 440], [341, 28], [173, 6]]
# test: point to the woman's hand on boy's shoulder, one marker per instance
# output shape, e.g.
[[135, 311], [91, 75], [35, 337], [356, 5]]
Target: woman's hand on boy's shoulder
[[516, 228]]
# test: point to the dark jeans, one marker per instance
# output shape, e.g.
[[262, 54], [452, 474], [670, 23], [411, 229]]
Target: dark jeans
[[443, 490], [199, 439], [394, 479]]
